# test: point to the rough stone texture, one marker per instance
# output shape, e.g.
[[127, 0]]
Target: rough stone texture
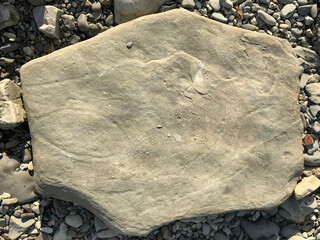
[[182, 124], [127, 10], [12, 113], [47, 19], [18, 184]]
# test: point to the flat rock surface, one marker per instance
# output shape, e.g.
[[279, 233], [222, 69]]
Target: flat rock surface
[[171, 120]]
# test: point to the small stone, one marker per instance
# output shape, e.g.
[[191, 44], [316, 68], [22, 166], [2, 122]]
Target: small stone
[[69, 22], [83, 23], [9, 16], [48, 230], [5, 196], [166, 233], [109, 20], [106, 2], [312, 160], [287, 11], [30, 166], [249, 27], [188, 4], [284, 26], [74, 220], [47, 19], [220, 236], [300, 97], [289, 230], [28, 51], [304, 10], [215, 4], [308, 20], [306, 186], [261, 229], [205, 229], [314, 11], [268, 19], [26, 156], [219, 17], [226, 3], [107, 233], [18, 227], [61, 233], [96, 6], [284, 2], [12, 113], [9, 201], [27, 215]]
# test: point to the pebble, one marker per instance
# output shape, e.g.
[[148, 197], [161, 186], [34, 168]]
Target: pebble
[[62, 233], [306, 186], [83, 23], [260, 229], [74, 220], [30, 166], [9, 201], [47, 19], [27, 215], [304, 10], [265, 17], [287, 11], [46, 230], [226, 3], [219, 17], [188, 4], [205, 229], [107, 233], [215, 4]]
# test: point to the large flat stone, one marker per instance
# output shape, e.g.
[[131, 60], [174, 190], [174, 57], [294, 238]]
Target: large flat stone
[[196, 118]]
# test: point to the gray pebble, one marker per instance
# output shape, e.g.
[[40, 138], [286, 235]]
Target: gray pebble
[[74, 220], [188, 4], [226, 3], [287, 11], [304, 10], [219, 17], [265, 17], [285, 1], [314, 11], [249, 26], [38, 47], [308, 20], [215, 4], [83, 23], [205, 229], [302, 2], [296, 31]]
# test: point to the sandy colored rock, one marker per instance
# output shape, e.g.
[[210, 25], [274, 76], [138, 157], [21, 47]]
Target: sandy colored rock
[[306, 186], [127, 10], [187, 122], [12, 113]]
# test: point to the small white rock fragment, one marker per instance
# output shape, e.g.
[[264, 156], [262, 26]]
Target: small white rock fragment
[[47, 19]]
